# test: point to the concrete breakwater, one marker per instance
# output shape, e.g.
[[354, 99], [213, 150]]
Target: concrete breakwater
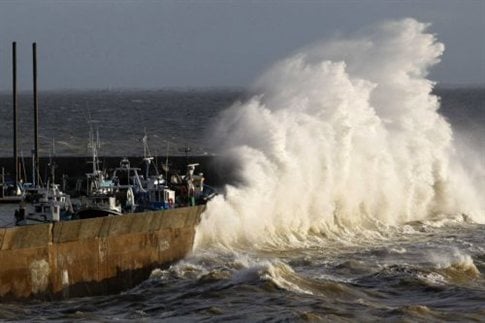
[[70, 171], [92, 256]]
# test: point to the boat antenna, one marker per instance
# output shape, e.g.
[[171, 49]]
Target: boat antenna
[[147, 156], [94, 144], [166, 161], [52, 164], [24, 171], [145, 143], [187, 150], [98, 142], [187, 147]]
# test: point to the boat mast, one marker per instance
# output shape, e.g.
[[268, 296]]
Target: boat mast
[[98, 146], [14, 103], [94, 145], [94, 177], [35, 155]]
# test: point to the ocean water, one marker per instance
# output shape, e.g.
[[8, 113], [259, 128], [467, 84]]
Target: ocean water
[[354, 189], [172, 119]]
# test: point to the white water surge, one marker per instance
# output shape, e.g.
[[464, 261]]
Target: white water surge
[[344, 136]]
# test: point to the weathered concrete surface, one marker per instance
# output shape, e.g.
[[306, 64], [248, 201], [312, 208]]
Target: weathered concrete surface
[[92, 256]]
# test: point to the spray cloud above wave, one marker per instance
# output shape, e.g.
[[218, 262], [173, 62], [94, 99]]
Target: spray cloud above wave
[[342, 135]]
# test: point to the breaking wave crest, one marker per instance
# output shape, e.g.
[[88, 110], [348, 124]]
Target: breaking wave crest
[[456, 267], [262, 274], [343, 136]]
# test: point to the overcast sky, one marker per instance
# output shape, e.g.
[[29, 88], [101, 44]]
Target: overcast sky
[[155, 44]]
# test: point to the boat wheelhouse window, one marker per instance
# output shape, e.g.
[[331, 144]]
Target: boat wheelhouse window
[[38, 208]]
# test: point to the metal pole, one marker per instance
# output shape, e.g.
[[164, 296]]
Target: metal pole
[[36, 117], [14, 99]]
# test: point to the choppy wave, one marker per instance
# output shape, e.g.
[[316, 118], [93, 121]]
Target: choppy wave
[[457, 267], [342, 137]]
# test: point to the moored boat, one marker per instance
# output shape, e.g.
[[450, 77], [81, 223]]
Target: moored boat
[[100, 199], [126, 191], [98, 206], [10, 192], [48, 205]]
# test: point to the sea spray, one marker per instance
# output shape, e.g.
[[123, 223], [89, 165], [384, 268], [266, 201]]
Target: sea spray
[[340, 137]]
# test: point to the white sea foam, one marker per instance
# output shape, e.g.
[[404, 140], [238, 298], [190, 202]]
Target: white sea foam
[[452, 258], [341, 137], [455, 265], [432, 278], [284, 277]]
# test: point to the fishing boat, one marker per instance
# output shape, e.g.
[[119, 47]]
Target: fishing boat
[[44, 203], [172, 190], [48, 205], [127, 191], [154, 193], [100, 199], [10, 192]]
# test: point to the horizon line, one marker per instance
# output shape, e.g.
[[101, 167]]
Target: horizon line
[[198, 88]]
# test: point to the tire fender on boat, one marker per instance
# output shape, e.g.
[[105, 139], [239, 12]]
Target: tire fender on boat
[[130, 197]]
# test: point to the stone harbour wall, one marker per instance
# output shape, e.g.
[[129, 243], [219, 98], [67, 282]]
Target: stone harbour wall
[[92, 256]]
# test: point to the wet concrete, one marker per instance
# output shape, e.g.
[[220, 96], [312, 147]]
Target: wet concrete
[[92, 256]]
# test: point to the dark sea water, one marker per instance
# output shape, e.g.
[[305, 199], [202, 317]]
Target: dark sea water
[[172, 119], [430, 270]]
